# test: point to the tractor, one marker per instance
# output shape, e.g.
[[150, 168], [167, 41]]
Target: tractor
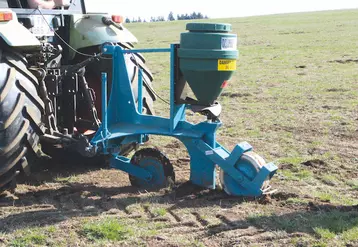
[[50, 80]]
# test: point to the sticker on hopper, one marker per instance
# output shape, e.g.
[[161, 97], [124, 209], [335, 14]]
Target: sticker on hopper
[[228, 43], [226, 65]]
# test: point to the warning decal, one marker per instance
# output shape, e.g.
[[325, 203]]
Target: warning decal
[[226, 65]]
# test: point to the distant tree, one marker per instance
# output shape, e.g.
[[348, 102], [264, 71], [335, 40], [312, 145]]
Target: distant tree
[[139, 19], [194, 15], [160, 18], [171, 16], [128, 20]]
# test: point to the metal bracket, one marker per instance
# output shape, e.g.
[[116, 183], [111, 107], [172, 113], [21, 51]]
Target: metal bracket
[[123, 164]]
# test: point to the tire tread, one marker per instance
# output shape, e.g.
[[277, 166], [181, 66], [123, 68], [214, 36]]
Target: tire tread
[[21, 110]]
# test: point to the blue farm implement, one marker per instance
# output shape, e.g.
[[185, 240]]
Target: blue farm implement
[[61, 107], [242, 172]]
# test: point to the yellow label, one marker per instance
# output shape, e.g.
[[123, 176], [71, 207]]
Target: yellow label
[[226, 65]]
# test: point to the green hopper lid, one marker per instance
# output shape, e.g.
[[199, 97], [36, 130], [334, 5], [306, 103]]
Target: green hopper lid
[[209, 27]]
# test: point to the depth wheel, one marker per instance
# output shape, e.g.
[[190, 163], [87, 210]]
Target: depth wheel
[[249, 165], [157, 164]]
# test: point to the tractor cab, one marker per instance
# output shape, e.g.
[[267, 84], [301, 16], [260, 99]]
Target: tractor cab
[[70, 30], [50, 26], [75, 5]]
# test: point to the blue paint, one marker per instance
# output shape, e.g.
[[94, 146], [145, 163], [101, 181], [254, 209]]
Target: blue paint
[[140, 97], [239, 149], [140, 91], [126, 124], [267, 171], [155, 50], [103, 131], [104, 103], [123, 164], [202, 169], [177, 112]]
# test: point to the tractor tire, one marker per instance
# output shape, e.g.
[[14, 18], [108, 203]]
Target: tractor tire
[[20, 118]]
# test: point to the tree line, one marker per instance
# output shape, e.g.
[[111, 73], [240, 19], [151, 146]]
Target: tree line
[[170, 17]]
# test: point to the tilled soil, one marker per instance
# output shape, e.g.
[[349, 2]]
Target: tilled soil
[[191, 215]]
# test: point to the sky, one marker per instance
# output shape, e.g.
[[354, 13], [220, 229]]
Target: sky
[[216, 9]]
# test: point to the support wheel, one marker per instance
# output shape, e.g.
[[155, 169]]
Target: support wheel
[[157, 164], [249, 165]]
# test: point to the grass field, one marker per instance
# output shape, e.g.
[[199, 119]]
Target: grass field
[[294, 98]]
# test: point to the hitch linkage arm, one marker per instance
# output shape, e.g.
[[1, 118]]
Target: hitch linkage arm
[[68, 71]]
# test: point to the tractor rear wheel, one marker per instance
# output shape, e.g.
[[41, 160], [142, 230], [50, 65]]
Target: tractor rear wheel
[[20, 117]]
